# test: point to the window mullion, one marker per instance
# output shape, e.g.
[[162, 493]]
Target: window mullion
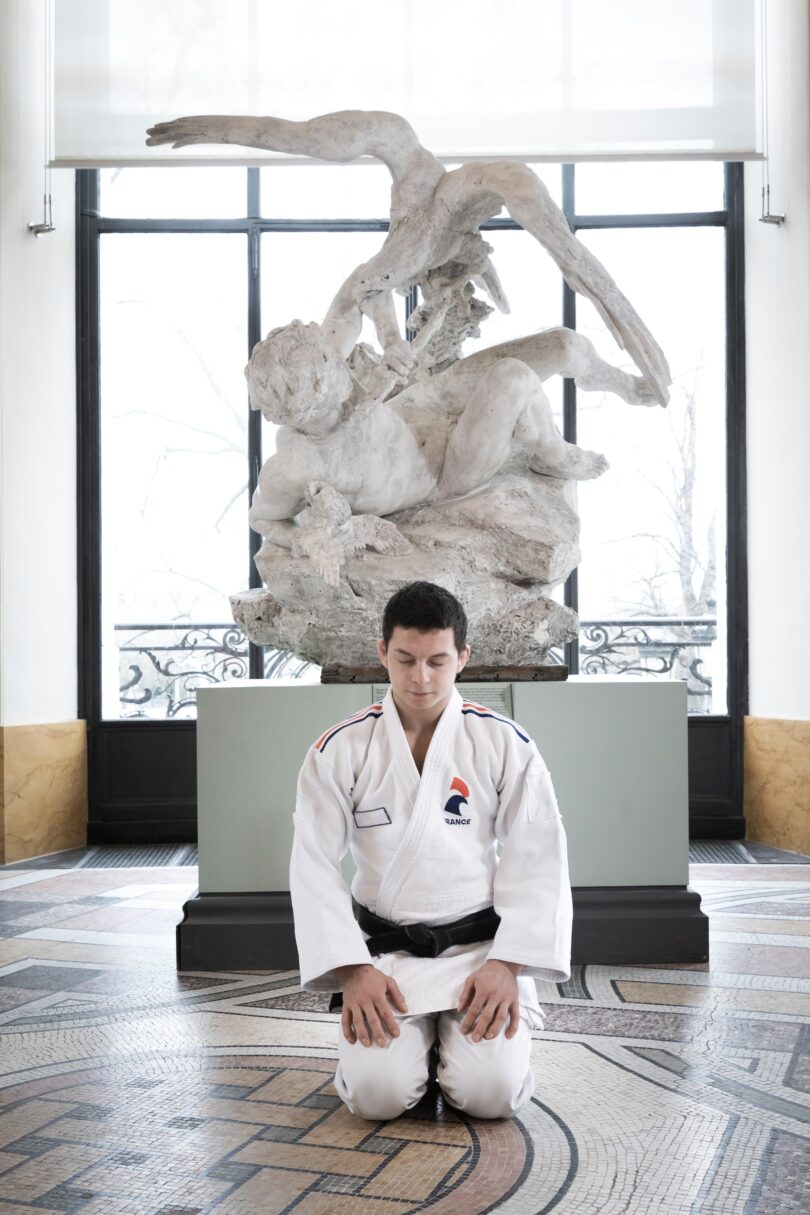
[[569, 320], [88, 447], [254, 327]]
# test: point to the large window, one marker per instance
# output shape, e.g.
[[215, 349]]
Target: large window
[[174, 464], [193, 266]]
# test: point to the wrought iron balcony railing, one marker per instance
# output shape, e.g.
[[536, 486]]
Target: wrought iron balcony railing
[[161, 666], [674, 646]]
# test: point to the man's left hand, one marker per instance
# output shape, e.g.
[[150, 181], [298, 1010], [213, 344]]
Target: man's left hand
[[490, 996]]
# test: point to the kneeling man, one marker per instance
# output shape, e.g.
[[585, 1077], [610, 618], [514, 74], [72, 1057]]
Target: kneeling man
[[461, 896]]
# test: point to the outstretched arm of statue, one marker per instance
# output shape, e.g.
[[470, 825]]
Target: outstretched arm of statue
[[342, 324], [340, 136], [398, 355], [344, 321]]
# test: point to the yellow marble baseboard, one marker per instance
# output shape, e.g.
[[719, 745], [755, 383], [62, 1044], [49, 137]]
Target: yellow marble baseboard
[[777, 782], [43, 789]]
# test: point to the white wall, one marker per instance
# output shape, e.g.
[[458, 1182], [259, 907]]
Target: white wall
[[37, 396], [778, 380]]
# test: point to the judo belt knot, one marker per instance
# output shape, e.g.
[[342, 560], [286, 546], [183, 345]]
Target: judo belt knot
[[426, 942]]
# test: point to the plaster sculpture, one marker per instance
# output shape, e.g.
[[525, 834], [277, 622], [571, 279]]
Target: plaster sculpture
[[418, 462]]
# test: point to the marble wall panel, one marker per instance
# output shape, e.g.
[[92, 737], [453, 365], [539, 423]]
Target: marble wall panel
[[43, 789], [777, 782]]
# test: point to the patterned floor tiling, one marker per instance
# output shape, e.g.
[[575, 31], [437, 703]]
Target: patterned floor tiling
[[743, 874], [763, 922], [794, 909], [127, 1089], [300, 1001], [139, 1145], [762, 959], [699, 997]]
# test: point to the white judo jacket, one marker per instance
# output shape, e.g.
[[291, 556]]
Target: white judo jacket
[[480, 826]]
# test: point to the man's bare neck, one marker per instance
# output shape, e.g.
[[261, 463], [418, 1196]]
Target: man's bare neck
[[418, 725]]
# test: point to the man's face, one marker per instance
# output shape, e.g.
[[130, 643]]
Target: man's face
[[422, 667]]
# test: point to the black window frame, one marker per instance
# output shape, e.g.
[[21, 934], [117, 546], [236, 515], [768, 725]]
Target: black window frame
[[142, 774]]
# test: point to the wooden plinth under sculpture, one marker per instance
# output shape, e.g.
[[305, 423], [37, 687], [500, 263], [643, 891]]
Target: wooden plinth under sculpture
[[335, 672]]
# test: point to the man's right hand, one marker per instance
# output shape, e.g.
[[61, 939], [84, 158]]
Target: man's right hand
[[368, 995]]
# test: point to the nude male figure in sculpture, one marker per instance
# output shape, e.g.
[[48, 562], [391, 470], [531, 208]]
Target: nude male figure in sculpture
[[440, 438]]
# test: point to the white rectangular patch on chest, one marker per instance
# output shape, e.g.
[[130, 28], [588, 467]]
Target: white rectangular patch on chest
[[378, 817]]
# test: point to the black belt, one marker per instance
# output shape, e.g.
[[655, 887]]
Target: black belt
[[424, 940], [421, 940]]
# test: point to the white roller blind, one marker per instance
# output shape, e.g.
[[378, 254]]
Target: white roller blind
[[533, 79]]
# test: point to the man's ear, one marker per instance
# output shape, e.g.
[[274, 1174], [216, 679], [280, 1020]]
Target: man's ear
[[382, 653], [463, 658]]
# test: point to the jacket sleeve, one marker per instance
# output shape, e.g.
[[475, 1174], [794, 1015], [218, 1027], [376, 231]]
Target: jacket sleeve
[[532, 889], [326, 932]]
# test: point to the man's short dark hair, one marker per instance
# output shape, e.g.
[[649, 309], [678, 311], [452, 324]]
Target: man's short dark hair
[[425, 606]]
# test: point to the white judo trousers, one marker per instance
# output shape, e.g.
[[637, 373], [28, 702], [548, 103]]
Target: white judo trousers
[[480, 826], [492, 1078]]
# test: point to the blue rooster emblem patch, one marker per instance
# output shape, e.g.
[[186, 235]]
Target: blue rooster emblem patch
[[454, 803]]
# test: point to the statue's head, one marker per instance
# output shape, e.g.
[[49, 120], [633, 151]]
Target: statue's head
[[297, 379]]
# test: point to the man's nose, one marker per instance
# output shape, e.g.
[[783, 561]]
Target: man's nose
[[422, 673]]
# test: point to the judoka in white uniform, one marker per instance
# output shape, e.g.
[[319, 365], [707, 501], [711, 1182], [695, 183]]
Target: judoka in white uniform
[[448, 809]]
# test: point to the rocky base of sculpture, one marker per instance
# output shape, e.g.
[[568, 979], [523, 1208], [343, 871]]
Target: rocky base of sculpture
[[501, 551]]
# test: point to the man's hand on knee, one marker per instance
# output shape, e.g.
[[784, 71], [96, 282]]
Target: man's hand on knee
[[490, 996], [368, 995]]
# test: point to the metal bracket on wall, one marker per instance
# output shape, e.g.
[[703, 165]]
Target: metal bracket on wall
[[766, 217], [47, 218]]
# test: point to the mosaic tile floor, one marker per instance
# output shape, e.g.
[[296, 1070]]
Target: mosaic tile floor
[[127, 1089]]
